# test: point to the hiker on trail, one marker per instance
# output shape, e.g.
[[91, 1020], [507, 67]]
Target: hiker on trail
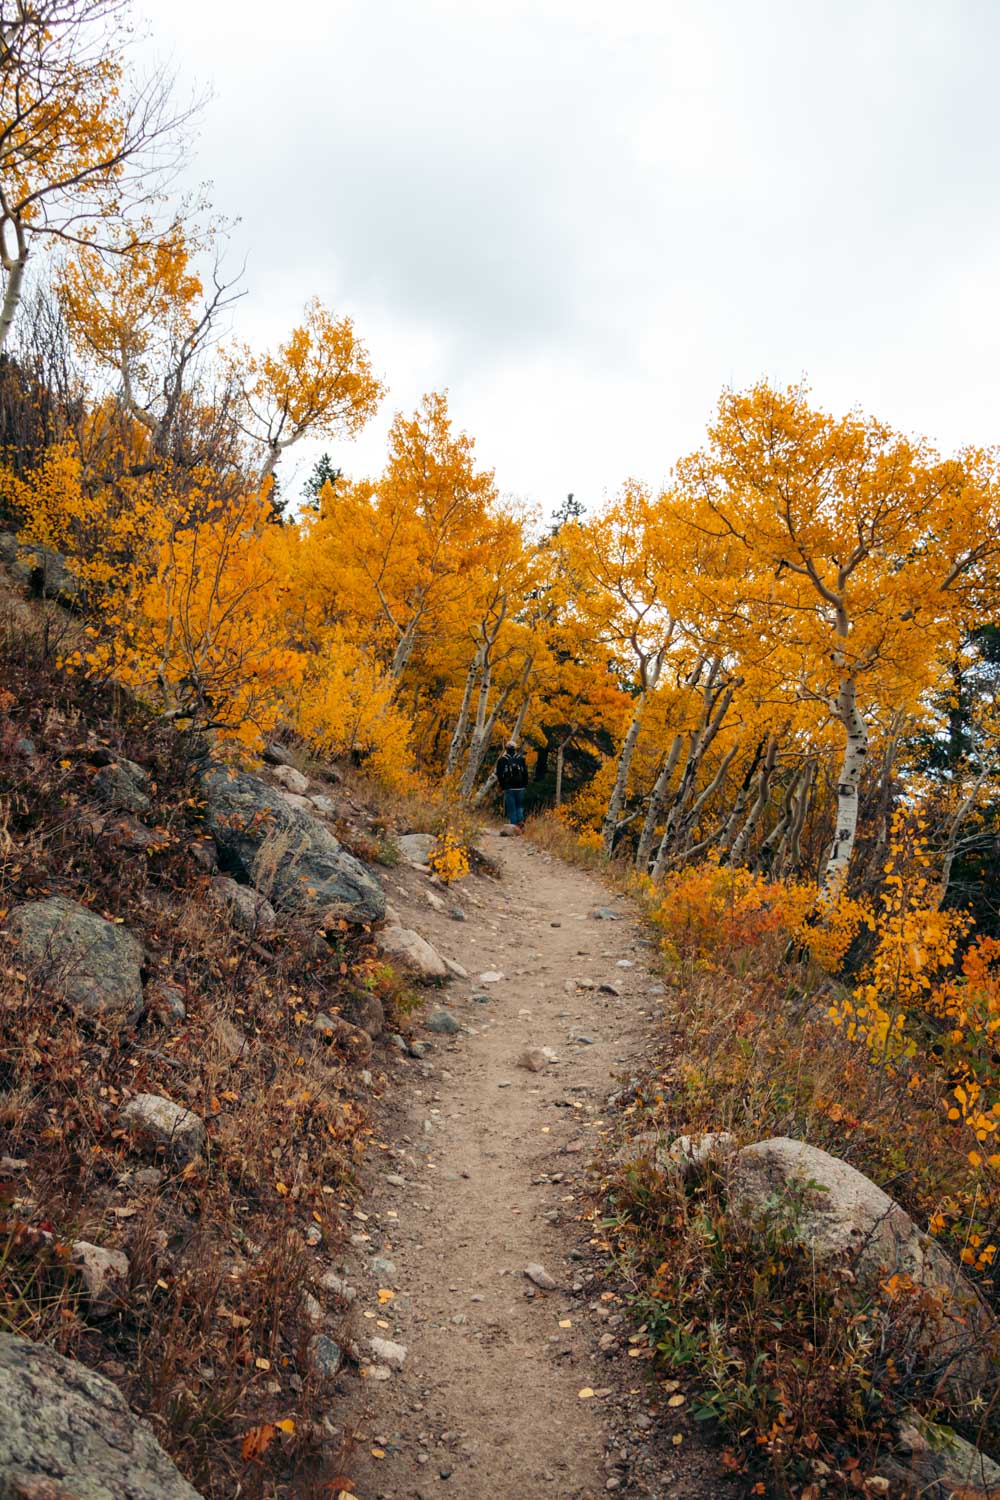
[[512, 778]]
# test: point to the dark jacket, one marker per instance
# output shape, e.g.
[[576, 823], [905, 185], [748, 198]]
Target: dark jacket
[[512, 771]]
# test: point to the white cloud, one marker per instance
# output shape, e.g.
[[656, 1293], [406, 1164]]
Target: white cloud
[[584, 220]]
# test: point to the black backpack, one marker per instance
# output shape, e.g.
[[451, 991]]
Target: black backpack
[[512, 771]]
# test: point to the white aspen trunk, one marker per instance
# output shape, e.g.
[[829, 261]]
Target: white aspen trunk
[[616, 803], [855, 750], [791, 855], [462, 723], [657, 803], [560, 758], [709, 791], [404, 650], [11, 295]]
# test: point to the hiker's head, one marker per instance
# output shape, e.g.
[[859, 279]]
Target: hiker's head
[[511, 746]]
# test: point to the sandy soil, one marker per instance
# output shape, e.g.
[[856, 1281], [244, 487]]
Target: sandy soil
[[486, 1174]]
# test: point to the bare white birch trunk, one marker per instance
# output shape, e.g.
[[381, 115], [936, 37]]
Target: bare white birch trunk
[[610, 825], [855, 750], [11, 296], [657, 803], [462, 723]]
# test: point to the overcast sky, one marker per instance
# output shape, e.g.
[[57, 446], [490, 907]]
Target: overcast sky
[[584, 218]]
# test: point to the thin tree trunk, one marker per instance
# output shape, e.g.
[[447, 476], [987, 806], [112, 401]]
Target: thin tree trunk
[[560, 758], [657, 803], [760, 804], [462, 723], [610, 827], [12, 295], [855, 750]]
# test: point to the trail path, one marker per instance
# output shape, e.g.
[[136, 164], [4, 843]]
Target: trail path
[[484, 1176]]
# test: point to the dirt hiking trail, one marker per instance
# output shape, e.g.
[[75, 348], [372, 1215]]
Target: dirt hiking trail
[[485, 1174]]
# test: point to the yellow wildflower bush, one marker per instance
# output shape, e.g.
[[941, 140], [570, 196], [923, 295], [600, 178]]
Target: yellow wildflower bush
[[449, 857]]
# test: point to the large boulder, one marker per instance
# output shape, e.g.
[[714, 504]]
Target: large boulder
[[941, 1468], [46, 571], [121, 785], [415, 848], [68, 1434], [96, 964], [841, 1215], [285, 852], [412, 952]]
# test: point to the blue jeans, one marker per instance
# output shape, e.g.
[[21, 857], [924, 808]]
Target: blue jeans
[[513, 804]]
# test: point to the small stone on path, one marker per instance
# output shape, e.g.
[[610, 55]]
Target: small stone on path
[[443, 1022], [540, 1277]]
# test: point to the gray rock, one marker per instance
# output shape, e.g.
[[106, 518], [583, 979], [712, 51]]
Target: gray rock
[[300, 803], [166, 1001], [68, 1434], [688, 1153], [121, 786], [95, 963], [351, 1038], [276, 754], [540, 1277], [609, 989], [415, 848], [843, 1215], [443, 1022], [159, 1123], [605, 914], [384, 1270], [324, 804], [288, 855], [480, 999], [292, 780], [457, 914], [46, 571], [434, 901], [408, 948], [326, 1356], [393, 1355], [105, 1276], [337, 1286], [25, 747], [368, 1012], [455, 969], [246, 908], [942, 1468]]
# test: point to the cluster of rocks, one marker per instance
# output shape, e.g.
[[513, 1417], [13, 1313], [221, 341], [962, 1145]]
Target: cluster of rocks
[[66, 1431]]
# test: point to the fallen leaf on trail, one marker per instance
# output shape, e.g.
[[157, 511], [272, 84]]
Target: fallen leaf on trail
[[287, 1425], [384, 1295], [677, 1400], [378, 1453], [565, 1322], [585, 1394], [677, 1439], [262, 1364]]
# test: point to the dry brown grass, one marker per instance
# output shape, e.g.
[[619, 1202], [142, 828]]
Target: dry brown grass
[[210, 1339]]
